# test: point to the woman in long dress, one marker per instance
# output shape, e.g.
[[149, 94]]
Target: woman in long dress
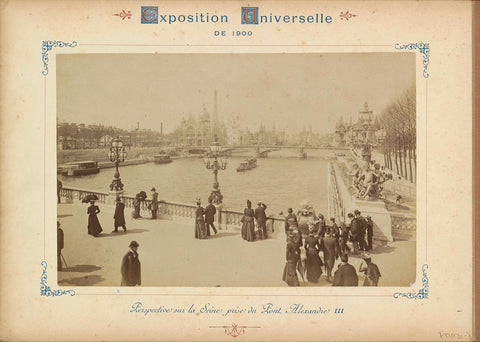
[[314, 262], [290, 270], [200, 230], [248, 226], [94, 227]]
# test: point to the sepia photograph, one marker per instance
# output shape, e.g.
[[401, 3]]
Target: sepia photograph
[[236, 170]]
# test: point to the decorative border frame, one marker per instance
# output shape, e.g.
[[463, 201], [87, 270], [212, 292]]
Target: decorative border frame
[[48, 45], [423, 48], [422, 293], [45, 289]]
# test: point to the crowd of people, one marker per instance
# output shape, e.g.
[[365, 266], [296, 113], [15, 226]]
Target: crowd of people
[[333, 240]]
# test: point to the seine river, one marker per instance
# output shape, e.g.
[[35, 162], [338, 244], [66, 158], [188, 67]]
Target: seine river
[[281, 181]]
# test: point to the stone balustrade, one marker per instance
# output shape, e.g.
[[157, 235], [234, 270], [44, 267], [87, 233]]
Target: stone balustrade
[[226, 219]]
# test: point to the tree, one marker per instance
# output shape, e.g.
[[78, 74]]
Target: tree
[[399, 121]]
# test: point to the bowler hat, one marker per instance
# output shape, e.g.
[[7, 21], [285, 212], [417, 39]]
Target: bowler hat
[[153, 189], [133, 244], [356, 212]]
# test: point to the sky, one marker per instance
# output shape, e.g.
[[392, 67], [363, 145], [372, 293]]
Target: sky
[[288, 90]]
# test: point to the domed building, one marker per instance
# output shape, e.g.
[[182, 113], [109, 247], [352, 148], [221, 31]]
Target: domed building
[[366, 129]]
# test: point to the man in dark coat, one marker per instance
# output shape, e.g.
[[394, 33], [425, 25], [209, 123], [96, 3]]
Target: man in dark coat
[[119, 216], [261, 218], [346, 274], [329, 245], [290, 219], [154, 204], [60, 244], [369, 224], [356, 227], [363, 225], [210, 211], [131, 273]]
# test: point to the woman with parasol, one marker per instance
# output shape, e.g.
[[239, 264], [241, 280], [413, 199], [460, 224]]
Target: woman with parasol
[[94, 227], [139, 198]]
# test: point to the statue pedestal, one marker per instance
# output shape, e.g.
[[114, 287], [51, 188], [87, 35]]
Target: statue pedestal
[[112, 196]]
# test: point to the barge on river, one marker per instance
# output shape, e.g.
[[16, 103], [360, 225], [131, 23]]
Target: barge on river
[[162, 159], [81, 168], [247, 164]]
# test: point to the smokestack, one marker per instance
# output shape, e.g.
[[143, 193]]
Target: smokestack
[[161, 128]]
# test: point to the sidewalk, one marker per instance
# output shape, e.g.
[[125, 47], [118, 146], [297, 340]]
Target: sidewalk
[[171, 256]]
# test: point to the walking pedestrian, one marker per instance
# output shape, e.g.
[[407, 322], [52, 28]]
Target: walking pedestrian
[[345, 275], [154, 204], [60, 244], [313, 262], [131, 270], [290, 270], [200, 231], [94, 227], [371, 271], [210, 211], [329, 245], [261, 219], [119, 216]]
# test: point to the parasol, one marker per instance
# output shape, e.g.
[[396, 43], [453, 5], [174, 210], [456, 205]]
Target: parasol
[[90, 197]]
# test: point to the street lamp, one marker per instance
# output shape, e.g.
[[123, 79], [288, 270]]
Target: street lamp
[[212, 163], [117, 154]]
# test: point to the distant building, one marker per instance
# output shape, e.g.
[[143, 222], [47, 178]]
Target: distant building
[[201, 131], [365, 129]]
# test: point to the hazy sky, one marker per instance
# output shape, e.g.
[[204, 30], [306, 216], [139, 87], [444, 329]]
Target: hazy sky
[[291, 90]]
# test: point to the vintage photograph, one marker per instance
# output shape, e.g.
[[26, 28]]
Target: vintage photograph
[[236, 170]]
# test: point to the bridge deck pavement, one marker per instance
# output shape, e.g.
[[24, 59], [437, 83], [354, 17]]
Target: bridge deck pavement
[[171, 256]]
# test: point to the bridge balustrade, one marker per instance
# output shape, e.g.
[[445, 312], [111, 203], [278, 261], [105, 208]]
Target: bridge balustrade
[[227, 219]]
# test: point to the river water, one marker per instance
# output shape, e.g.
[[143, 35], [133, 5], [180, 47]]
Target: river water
[[280, 181]]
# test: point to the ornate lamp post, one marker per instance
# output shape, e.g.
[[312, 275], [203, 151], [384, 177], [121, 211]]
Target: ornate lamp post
[[212, 163], [117, 154]]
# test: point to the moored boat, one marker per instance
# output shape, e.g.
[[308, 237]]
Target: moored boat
[[81, 168], [162, 159]]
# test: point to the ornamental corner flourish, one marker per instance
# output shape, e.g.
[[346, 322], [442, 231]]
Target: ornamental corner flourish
[[420, 294], [45, 289], [48, 45], [423, 48]]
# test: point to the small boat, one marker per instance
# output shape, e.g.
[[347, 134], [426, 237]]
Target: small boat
[[82, 168], [247, 164], [162, 159]]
